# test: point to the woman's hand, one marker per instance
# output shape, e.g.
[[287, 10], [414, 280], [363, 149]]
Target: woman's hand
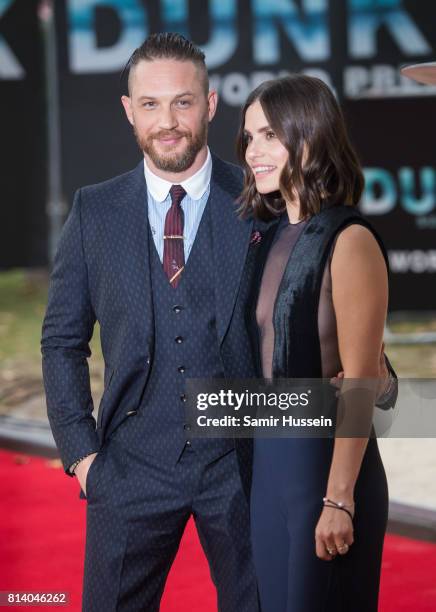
[[333, 533]]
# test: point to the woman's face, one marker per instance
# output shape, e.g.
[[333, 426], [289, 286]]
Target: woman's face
[[265, 154]]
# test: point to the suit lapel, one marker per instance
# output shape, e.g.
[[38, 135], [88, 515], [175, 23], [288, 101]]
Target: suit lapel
[[230, 238], [133, 257]]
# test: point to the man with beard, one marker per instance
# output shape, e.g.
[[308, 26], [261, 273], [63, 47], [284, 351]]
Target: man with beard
[[156, 257]]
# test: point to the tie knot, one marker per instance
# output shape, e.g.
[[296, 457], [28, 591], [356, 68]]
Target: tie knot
[[177, 194]]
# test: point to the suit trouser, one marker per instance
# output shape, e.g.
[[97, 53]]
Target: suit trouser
[[138, 507]]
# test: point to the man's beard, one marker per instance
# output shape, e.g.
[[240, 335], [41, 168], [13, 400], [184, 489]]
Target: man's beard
[[174, 162]]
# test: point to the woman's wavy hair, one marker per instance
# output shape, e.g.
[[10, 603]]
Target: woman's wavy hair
[[306, 118]]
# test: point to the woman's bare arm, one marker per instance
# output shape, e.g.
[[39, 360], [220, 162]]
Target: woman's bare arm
[[360, 297]]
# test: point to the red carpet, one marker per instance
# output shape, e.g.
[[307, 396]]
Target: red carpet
[[42, 527]]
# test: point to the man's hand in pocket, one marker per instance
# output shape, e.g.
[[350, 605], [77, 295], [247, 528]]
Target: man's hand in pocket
[[81, 470]]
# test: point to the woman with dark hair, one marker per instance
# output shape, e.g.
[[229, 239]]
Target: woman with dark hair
[[318, 505]]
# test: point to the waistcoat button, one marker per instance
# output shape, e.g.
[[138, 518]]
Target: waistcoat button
[[179, 339]]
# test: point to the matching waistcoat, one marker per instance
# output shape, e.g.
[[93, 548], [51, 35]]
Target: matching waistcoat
[[186, 346]]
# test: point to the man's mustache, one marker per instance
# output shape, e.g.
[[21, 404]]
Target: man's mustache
[[169, 134]]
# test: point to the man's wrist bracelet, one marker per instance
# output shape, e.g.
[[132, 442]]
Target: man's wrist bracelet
[[76, 463]]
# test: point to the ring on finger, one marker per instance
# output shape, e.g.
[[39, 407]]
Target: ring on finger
[[331, 551], [343, 547]]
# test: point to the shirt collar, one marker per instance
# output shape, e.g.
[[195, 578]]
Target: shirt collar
[[195, 186]]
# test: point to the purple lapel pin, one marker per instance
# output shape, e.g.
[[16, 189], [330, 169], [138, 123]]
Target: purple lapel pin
[[256, 237]]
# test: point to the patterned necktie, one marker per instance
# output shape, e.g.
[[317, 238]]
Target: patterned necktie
[[174, 253]]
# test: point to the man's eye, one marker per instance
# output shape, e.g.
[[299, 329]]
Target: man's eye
[[148, 104], [183, 103]]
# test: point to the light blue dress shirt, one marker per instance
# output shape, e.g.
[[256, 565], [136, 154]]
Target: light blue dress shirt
[[197, 189]]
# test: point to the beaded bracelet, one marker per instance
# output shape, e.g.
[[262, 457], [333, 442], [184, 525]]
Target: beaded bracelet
[[76, 463], [329, 503]]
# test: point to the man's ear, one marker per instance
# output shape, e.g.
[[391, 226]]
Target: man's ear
[[212, 103], [127, 103]]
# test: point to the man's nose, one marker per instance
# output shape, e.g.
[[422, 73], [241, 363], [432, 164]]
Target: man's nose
[[168, 119]]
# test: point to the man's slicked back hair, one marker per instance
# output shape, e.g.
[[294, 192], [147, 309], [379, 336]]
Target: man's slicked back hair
[[168, 45]]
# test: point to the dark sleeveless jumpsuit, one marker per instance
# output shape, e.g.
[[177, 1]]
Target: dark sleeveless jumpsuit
[[290, 479]]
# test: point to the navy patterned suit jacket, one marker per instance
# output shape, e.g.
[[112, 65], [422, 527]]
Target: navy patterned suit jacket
[[101, 272]]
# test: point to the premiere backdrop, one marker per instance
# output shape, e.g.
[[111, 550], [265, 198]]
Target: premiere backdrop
[[356, 46]]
